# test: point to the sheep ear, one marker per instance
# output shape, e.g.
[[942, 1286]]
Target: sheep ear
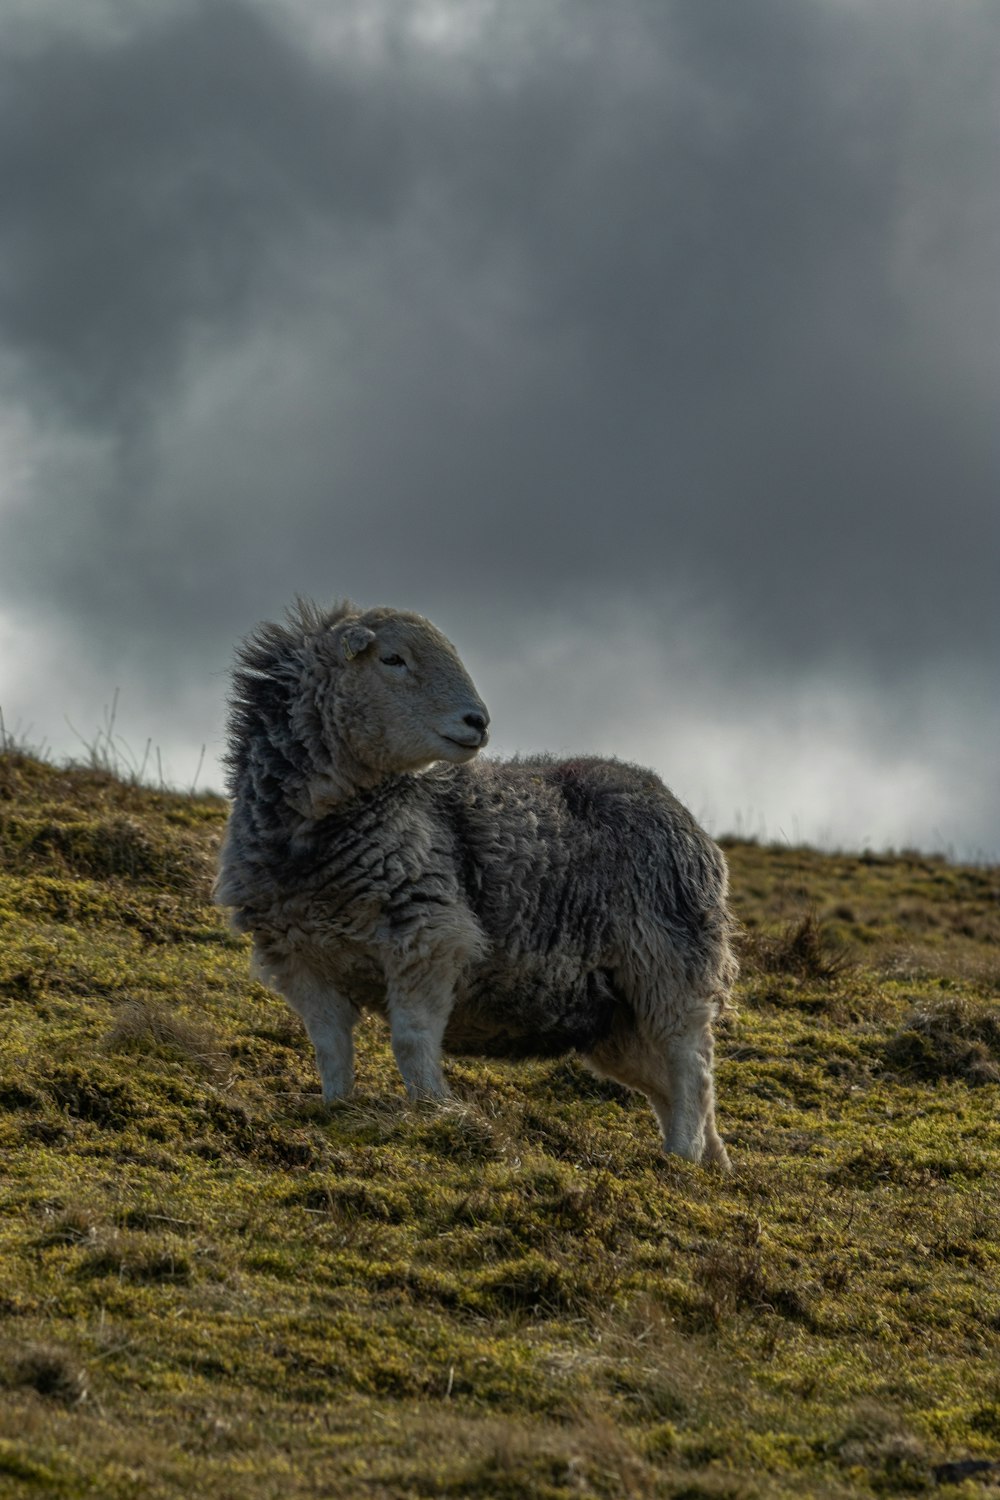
[[354, 640]]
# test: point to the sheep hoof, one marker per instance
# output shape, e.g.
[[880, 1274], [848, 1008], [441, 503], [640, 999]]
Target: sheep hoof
[[717, 1156], [430, 1099]]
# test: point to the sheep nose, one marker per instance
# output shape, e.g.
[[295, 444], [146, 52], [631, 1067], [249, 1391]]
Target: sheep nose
[[478, 722]]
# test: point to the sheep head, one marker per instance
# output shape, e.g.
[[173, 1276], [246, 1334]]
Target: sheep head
[[401, 698]]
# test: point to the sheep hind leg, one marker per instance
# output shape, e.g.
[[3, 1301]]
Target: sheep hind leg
[[675, 1074], [691, 1130]]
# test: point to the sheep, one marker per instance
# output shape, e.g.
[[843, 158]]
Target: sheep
[[520, 908]]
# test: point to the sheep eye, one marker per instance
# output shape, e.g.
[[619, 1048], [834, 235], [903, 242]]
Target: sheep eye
[[392, 661]]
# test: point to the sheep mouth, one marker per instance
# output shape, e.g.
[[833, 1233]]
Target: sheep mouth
[[471, 745]]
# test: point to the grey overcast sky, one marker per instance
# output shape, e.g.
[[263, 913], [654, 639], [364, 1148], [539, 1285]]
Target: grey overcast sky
[[651, 348]]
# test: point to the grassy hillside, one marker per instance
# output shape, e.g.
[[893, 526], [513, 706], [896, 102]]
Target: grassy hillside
[[210, 1287]]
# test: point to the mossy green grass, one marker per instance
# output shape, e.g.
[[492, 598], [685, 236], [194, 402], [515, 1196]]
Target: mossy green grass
[[211, 1285]]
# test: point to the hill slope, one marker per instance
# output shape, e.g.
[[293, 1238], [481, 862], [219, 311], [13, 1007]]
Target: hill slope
[[208, 1286]]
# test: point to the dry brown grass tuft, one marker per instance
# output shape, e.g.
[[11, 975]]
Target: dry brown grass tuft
[[151, 1029], [951, 1038], [137, 1257], [47, 1369], [804, 948], [877, 1440], [461, 1132], [589, 1457], [76, 1225]]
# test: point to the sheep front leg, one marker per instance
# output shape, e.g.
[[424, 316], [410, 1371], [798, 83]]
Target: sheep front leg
[[421, 975], [329, 1019], [417, 1019]]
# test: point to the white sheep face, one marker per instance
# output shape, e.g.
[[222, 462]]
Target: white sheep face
[[402, 697]]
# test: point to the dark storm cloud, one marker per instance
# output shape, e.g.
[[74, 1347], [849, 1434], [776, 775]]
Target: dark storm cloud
[[667, 320], [150, 178]]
